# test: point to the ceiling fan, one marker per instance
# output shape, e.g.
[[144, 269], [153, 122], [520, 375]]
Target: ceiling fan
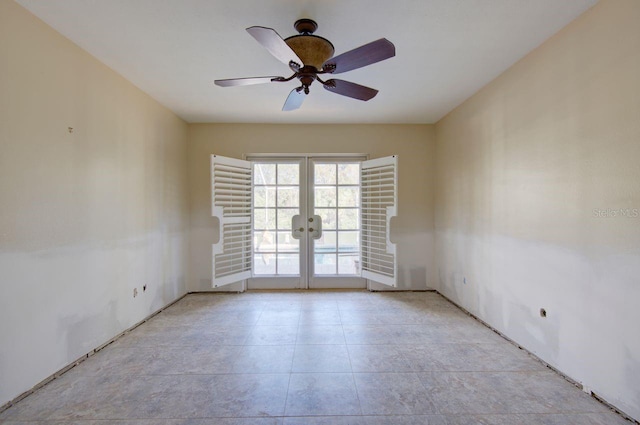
[[309, 56]]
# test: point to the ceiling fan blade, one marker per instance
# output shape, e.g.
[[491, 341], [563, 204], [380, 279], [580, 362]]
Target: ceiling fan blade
[[349, 89], [244, 81], [270, 39], [373, 52], [294, 100]]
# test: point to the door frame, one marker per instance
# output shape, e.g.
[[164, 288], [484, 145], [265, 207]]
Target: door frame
[[305, 280]]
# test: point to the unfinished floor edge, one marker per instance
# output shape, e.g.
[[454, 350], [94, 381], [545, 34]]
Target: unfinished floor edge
[[85, 356], [547, 365]]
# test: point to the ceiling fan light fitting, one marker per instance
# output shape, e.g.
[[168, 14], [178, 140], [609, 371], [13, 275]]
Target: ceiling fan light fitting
[[313, 50]]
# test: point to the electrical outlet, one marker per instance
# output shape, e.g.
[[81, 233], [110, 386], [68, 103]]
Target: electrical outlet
[[135, 292]]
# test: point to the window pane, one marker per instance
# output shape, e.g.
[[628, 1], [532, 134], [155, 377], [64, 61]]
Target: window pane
[[348, 173], [264, 196], [264, 264], [284, 218], [328, 217], [286, 243], [288, 174], [264, 174], [348, 242], [264, 218], [325, 264], [348, 197], [325, 197], [347, 219], [288, 196], [348, 264], [326, 243], [264, 241], [324, 173], [288, 264]]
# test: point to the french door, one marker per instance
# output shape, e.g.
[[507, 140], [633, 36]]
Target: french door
[[304, 222]]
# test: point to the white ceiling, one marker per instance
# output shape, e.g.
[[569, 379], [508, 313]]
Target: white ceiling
[[446, 50]]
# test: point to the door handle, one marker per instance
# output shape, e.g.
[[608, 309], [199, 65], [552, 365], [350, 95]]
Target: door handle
[[315, 232], [297, 226]]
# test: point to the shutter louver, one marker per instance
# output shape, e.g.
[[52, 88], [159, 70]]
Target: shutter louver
[[231, 203], [379, 204]]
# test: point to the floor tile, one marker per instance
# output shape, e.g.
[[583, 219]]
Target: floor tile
[[320, 334], [279, 317], [504, 392], [366, 317], [272, 335], [318, 317], [321, 358], [392, 393], [368, 335], [378, 358], [263, 359], [538, 419], [318, 394], [325, 420], [469, 357], [238, 395], [406, 420], [158, 361]]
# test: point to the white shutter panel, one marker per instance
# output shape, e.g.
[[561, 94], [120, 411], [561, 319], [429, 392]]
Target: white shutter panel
[[379, 180], [231, 203]]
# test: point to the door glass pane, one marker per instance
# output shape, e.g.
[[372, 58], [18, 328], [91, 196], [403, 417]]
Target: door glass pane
[[288, 196], [286, 243], [284, 218], [264, 174], [263, 241], [324, 174], [349, 174], [264, 264], [288, 264], [337, 202], [348, 264], [349, 196], [349, 242], [276, 199], [264, 196], [289, 174], [325, 264], [348, 218], [328, 218], [264, 218], [327, 242], [325, 197]]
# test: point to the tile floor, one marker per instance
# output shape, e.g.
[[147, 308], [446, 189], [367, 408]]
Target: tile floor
[[316, 357]]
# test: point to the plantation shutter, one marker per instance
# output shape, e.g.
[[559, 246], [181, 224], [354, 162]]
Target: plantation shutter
[[231, 203], [379, 203]]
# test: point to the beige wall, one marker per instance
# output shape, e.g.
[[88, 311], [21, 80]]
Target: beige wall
[[85, 217], [521, 180], [413, 229], [529, 171]]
